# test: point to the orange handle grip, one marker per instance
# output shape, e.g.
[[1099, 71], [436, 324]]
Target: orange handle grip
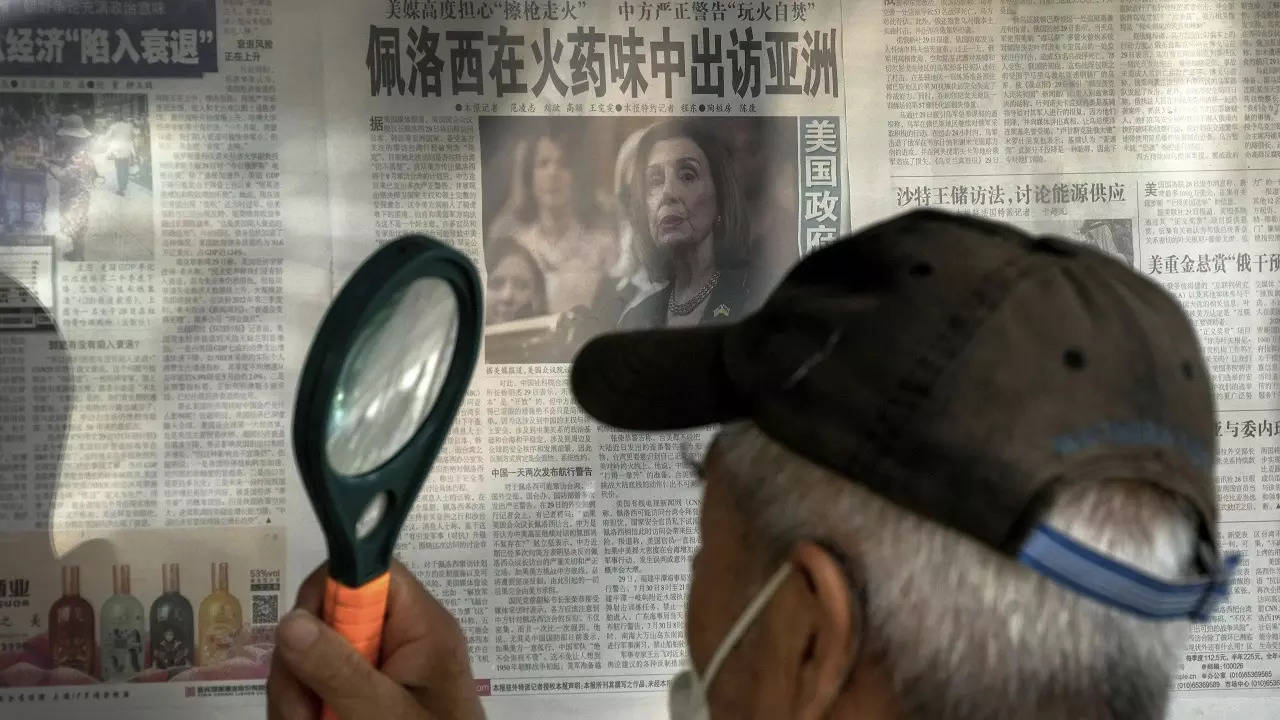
[[357, 615]]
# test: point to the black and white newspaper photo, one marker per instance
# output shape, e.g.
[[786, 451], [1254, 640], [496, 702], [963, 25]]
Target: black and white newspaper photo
[[698, 219], [77, 169]]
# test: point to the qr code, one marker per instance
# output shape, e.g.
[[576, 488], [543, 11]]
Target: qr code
[[266, 609]]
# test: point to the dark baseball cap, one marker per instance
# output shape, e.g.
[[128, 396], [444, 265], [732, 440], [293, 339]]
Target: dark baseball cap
[[960, 368]]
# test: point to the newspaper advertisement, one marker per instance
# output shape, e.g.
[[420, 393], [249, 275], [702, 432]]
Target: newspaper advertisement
[[185, 184]]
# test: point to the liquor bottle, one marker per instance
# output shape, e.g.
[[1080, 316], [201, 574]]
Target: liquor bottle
[[71, 638], [172, 624], [219, 626], [123, 622]]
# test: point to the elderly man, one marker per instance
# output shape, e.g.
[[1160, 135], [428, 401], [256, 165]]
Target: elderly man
[[963, 473]]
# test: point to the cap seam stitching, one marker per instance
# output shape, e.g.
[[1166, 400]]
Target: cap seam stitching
[[939, 361]]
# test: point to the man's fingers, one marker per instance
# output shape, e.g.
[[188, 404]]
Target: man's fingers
[[323, 661], [424, 666], [287, 698], [425, 650], [427, 643]]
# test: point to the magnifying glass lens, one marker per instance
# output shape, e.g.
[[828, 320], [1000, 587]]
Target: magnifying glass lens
[[392, 377]]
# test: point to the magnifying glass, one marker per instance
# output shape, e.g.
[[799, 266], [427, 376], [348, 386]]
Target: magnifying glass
[[381, 385]]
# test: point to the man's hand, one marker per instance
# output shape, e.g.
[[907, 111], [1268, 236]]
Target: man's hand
[[424, 672]]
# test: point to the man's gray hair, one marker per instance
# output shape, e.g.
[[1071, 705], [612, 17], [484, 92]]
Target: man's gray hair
[[961, 630]]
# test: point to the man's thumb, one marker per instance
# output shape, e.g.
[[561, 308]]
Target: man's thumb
[[324, 661]]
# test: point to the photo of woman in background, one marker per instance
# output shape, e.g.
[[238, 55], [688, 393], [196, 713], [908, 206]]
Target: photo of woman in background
[[518, 327], [548, 211], [691, 228], [515, 288]]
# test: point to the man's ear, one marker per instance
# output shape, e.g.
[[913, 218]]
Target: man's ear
[[828, 618]]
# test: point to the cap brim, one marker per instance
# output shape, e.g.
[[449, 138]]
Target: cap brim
[[656, 379]]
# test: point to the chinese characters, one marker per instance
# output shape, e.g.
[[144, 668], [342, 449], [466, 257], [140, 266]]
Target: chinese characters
[[505, 63]]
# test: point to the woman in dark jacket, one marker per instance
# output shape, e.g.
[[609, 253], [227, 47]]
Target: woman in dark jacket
[[692, 230]]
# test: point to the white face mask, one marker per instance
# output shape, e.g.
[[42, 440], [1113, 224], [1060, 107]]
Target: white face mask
[[687, 693]]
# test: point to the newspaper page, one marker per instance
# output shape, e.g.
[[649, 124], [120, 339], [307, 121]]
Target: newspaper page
[[158, 274], [185, 184], [1150, 130], [540, 139]]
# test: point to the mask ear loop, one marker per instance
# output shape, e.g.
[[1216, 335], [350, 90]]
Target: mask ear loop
[[744, 621]]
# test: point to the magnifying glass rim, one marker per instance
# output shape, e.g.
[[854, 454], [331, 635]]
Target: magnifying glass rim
[[339, 499]]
